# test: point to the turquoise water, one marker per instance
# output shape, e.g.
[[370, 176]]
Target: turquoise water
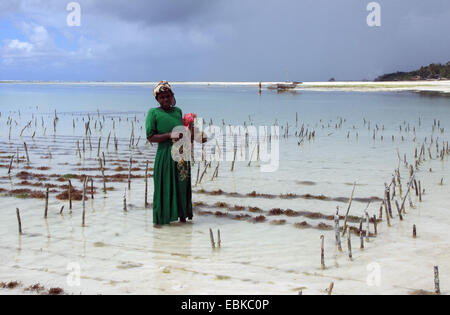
[[123, 253], [234, 104]]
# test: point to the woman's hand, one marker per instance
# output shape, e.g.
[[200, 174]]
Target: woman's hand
[[199, 136], [175, 135]]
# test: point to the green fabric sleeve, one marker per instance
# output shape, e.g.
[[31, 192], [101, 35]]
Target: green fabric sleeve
[[150, 124]]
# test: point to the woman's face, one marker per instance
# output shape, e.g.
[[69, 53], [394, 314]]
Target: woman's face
[[165, 99]]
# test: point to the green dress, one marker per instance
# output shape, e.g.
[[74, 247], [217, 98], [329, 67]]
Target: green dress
[[172, 198]]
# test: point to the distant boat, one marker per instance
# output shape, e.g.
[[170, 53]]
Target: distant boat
[[284, 86]]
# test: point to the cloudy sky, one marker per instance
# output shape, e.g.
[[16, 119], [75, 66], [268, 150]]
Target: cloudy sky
[[219, 40]]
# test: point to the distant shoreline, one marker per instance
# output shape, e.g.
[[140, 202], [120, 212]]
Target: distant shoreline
[[438, 86]]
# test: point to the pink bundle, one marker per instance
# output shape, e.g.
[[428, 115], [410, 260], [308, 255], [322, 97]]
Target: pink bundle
[[188, 120]]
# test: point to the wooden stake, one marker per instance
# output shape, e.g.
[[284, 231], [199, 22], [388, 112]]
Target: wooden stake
[[407, 193], [414, 231], [362, 239], [98, 149], [204, 172], [26, 151], [107, 142], [234, 160], [399, 210], [381, 210], [83, 224], [437, 288], [146, 185], [46, 203], [349, 244], [103, 175], [92, 188], [337, 230], [388, 201], [78, 149], [330, 290], [216, 171], [367, 226], [19, 221], [70, 196], [420, 191], [10, 165], [125, 201], [322, 252], [198, 173], [388, 219], [211, 235], [62, 209], [219, 240], [348, 209], [375, 225], [129, 172]]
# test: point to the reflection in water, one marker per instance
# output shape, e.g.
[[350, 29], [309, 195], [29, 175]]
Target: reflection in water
[[47, 227], [172, 246], [19, 245]]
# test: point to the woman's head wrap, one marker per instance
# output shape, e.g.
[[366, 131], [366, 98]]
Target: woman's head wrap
[[162, 86]]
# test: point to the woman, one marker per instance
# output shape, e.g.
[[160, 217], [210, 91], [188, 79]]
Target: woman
[[172, 198]]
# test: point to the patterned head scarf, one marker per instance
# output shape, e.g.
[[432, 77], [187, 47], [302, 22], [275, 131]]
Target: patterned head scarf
[[162, 86]]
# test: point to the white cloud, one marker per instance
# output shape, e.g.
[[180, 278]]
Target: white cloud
[[18, 46], [40, 48]]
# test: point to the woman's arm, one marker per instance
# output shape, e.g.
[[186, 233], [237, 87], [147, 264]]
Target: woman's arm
[[157, 138]]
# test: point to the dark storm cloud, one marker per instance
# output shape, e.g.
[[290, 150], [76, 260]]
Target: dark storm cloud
[[154, 12], [226, 39]]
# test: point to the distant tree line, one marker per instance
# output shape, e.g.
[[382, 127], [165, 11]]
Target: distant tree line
[[435, 71]]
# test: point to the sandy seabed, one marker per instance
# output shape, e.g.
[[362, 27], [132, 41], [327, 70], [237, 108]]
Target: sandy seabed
[[270, 223]]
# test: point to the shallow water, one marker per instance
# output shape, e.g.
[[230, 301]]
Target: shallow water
[[121, 252]]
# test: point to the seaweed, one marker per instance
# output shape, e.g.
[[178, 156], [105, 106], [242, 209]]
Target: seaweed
[[55, 291], [77, 195], [276, 211], [325, 227], [10, 285], [291, 213], [24, 175], [220, 214], [288, 196], [302, 225], [26, 194], [35, 288], [221, 204], [241, 217], [254, 209], [278, 222], [259, 219], [69, 176], [27, 183]]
